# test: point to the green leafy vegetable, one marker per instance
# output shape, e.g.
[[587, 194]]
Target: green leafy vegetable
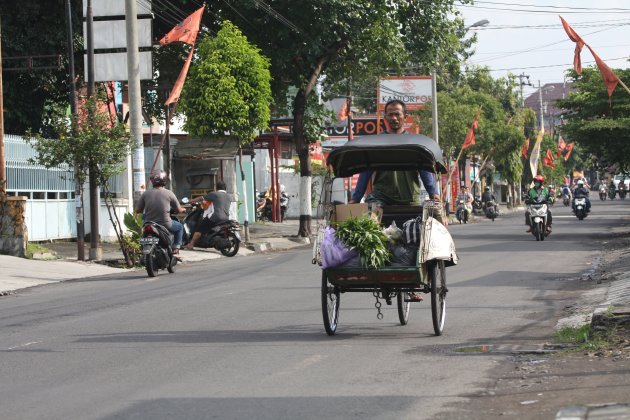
[[366, 236]]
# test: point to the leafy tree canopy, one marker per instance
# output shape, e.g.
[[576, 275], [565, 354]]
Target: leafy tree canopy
[[598, 125], [228, 89]]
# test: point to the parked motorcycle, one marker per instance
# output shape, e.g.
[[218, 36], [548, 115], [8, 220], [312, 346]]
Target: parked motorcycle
[[580, 208], [157, 251], [461, 213], [538, 219], [491, 210], [265, 213], [224, 237], [477, 206], [602, 193]]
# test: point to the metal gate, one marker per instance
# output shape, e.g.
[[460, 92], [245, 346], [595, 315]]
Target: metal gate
[[50, 192]]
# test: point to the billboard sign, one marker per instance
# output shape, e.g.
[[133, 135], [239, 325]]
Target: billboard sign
[[413, 91]]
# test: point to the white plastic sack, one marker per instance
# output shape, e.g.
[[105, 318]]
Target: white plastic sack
[[436, 242]]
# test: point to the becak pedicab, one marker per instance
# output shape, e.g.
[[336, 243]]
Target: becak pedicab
[[423, 226]]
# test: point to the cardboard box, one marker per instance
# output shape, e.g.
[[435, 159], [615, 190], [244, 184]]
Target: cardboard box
[[346, 211]]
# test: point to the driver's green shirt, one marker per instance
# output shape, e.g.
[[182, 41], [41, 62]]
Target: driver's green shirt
[[535, 194]]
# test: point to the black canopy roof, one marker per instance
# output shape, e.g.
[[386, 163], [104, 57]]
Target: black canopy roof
[[390, 152]]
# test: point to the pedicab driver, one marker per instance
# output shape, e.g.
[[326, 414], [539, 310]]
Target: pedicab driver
[[396, 187]]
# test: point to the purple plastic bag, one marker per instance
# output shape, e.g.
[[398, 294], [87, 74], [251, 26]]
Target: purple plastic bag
[[334, 252]]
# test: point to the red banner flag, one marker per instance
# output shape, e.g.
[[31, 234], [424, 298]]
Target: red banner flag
[[579, 44], [548, 160], [470, 137], [610, 78], [561, 146], [179, 83], [569, 148], [344, 111], [186, 31], [525, 148]]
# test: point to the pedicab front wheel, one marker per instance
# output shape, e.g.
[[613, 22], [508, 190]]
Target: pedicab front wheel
[[330, 304]]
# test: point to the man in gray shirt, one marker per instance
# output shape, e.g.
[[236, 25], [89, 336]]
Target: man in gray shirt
[[157, 205], [220, 201]]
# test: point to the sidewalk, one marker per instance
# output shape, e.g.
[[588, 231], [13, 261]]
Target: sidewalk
[[19, 273]]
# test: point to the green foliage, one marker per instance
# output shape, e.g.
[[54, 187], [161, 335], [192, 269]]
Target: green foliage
[[133, 222], [87, 140], [598, 125], [228, 88], [366, 236]]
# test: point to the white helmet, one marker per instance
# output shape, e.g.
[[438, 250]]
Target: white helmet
[[580, 182], [282, 188]]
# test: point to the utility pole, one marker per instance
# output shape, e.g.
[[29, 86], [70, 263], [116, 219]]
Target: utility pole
[[96, 252], [135, 104], [542, 118], [78, 199], [522, 77], [3, 177]]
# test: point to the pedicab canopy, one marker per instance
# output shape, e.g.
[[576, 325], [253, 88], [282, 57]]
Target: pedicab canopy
[[388, 152]]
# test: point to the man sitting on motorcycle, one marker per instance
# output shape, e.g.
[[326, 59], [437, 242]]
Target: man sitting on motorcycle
[[217, 212], [467, 198], [538, 194], [581, 192], [486, 197], [157, 205]]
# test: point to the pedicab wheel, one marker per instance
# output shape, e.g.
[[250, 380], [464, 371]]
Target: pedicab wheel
[[172, 264], [437, 278], [403, 308], [149, 263], [330, 305]]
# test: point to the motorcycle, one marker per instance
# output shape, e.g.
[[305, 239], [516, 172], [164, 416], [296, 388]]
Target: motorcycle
[[538, 218], [157, 251], [611, 193], [580, 207], [477, 206], [491, 210], [225, 237], [461, 213], [622, 194], [602, 193], [552, 196], [265, 213], [566, 200]]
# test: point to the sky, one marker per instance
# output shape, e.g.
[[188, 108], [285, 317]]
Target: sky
[[526, 37]]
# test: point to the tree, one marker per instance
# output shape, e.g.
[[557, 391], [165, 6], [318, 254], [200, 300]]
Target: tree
[[311, 42], [87, 137], [228, 88], [228, 91], [33, 96], [599, 125]]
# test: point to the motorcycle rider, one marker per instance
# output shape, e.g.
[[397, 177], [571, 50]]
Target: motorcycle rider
[[157, 204], [486, 197], [581, 192], [217, 212], [621, 188], [538, 193]]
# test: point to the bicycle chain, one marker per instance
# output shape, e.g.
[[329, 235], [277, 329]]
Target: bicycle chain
[[377, 305]]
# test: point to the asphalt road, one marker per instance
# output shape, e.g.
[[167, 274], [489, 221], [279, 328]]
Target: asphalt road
[[242, 338]]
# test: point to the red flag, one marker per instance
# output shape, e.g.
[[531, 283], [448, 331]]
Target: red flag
[[344, 111], [470, 137], [179, 83], [610, 78], [569, 148], [525, 148], [186, 31], [579, 44], [561, 146], [548, 160]]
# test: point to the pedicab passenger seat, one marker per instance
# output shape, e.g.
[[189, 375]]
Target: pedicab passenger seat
[[399, 214]]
